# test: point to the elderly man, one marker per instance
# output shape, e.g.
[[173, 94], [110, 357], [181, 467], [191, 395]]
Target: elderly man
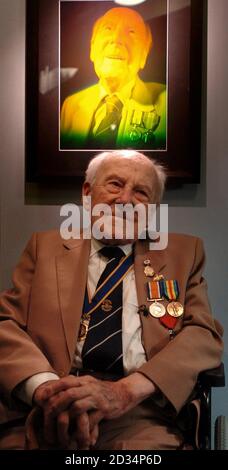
[[121, 110], [104, 340]]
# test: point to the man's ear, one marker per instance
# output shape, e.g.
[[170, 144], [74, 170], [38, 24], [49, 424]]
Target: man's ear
[[143, 59], [86, 196], [86, 189], [92, 52]]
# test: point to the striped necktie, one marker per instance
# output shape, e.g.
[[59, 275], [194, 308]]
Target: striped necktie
[[107, 130], [102, 350]]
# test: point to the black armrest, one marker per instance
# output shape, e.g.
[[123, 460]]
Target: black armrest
[[213, 377]]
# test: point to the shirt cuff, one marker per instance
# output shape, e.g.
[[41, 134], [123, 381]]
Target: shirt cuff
[[26, 389]]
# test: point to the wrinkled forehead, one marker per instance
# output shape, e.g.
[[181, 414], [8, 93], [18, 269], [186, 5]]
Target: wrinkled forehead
[[139, 169], [123, 16]]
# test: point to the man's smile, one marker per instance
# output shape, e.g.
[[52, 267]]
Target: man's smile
[[113, 57]]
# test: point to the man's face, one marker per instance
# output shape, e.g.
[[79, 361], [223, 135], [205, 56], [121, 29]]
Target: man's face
[[121, 181], [119, 47]]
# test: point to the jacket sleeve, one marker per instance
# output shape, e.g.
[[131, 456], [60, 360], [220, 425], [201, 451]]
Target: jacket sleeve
[[20, 357], [197, 346]]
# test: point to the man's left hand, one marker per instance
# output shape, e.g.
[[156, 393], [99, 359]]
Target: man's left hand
[[85, 394]]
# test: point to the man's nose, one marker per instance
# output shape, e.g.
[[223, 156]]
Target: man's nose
[[126, 196], [118, 34]]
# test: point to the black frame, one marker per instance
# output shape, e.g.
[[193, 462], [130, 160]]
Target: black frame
[[44, 161]]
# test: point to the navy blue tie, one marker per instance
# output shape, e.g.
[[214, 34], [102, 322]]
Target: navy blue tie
[[102, 350]]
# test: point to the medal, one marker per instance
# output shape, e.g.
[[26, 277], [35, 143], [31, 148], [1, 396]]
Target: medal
[[158, 277], [160, 289], [169, 322], [106, 305], [175, 309], [148, 271], [83, 330], [157, 310]]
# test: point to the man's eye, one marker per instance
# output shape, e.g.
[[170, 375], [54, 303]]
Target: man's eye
[[142, 192], [115, 183]]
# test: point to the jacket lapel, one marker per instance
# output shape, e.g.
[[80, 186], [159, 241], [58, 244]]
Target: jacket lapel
[[85, 112], [153, 332], [141, 93], [72, 277]]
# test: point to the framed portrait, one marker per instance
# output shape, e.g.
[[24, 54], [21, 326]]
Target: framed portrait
[[101, 76]]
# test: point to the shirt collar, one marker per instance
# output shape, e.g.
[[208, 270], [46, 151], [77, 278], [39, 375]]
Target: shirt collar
[[124, 94], [96, 246]]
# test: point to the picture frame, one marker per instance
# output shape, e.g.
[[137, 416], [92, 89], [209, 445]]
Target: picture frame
[[51, 77]]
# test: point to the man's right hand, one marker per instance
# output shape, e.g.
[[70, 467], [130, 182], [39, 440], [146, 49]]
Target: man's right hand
[[64, 427]]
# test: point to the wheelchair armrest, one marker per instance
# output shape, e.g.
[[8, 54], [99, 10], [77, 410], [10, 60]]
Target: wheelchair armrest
[[212, 377]]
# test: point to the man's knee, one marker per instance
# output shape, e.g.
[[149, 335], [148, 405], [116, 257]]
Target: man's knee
[[13, 438]]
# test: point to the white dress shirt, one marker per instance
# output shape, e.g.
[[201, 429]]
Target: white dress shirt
[[133, 352]]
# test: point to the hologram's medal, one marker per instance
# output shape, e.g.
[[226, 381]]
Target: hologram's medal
[[139, 125], [157, 310], [175, 309]]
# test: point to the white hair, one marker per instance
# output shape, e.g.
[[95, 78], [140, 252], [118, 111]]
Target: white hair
[[158, 183]]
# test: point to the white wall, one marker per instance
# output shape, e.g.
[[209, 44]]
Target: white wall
[[199, 210], [208, 216]]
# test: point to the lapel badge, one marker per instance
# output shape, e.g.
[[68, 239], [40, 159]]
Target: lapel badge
[[148, 270], [146, 262], [106, 305]]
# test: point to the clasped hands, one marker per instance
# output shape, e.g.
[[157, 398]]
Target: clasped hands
[[74, 406]]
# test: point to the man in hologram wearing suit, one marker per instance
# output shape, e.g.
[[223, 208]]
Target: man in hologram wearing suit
[[120, 110]]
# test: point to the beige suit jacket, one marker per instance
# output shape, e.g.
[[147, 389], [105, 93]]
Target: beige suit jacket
[[40, 315], [78, 111]]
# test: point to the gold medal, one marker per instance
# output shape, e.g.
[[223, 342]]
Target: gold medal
[[158, 277], [175, 309], [83, 330], [157, 310], [148, 271], [106, 305]]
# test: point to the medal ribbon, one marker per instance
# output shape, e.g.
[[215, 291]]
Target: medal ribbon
[[168, 321], [170, 289], [108, 285], [154, 290]]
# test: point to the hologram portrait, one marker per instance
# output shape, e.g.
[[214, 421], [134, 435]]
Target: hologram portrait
[[121, 110]]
